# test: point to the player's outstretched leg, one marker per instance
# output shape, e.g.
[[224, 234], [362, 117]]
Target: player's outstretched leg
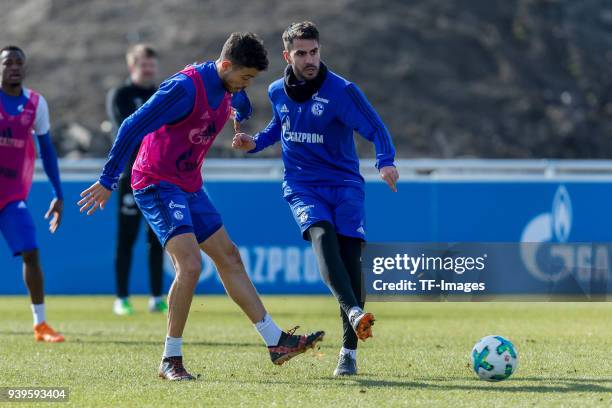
[[185, 254], [33, 277], [334, 273], [282, 346]]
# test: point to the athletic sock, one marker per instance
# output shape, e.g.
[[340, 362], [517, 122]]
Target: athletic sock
[[269, 331], [174, 347], [352, 353], [38, 311], [355, 310]]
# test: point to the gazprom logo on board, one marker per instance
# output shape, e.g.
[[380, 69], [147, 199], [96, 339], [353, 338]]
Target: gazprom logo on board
[[276, 265], [585, 261], [553, 226]]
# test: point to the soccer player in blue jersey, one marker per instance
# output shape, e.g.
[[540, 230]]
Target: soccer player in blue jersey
[[315, 112], [175, 129]]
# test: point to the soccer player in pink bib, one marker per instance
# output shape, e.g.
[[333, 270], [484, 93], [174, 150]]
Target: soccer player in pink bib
[[23, 114], [175, 129]]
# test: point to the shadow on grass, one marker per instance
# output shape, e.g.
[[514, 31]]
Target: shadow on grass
[[524, 379], [571, 385], [554, 386], [552, 380], [86, 338], [15, 333], [161, 342]]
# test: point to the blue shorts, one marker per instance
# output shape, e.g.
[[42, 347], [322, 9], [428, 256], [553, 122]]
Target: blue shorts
[[171, 211], [17, 226], [342, 206]]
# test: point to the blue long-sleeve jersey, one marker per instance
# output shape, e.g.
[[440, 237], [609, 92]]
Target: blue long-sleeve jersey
[[317, 135], [172, 102]]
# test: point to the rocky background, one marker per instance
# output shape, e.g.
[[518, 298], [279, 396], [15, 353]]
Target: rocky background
[[451, 78]]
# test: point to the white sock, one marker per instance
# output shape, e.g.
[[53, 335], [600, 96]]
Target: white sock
[[352, 353], [153, 300], [38, 311], [354, 310], [269, 331], [174, 347]]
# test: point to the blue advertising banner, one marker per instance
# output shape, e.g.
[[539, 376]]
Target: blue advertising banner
[[79, 258], [487, 271]]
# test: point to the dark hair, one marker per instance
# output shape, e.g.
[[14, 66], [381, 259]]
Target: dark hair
[[138, 51], [10, 48], [306, 30], [245, 50]]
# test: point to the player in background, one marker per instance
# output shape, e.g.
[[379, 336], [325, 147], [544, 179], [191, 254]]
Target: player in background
[[179, 124], [315, 113], [122, 102], [23, 114]]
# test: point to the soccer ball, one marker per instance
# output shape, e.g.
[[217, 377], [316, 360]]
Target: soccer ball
[[494, 358]]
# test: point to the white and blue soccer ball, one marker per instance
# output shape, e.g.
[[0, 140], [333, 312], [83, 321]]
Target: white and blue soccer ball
[[494, 358]]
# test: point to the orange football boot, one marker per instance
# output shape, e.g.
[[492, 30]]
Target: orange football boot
[[44, 332], [362, 324]]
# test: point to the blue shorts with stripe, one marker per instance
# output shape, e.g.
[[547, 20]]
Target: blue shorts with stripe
[[17, 226], [171, 211], [341, 206]]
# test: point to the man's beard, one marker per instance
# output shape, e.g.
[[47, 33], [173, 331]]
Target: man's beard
[[307, 75]]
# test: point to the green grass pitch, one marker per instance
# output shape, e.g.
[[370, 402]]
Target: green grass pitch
[[418, 357]]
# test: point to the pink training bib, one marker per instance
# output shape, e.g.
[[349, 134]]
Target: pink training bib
[[175, 153], [17, 152]]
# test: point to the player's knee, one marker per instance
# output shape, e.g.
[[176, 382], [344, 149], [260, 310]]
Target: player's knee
[[188, 269], [31, 258]]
